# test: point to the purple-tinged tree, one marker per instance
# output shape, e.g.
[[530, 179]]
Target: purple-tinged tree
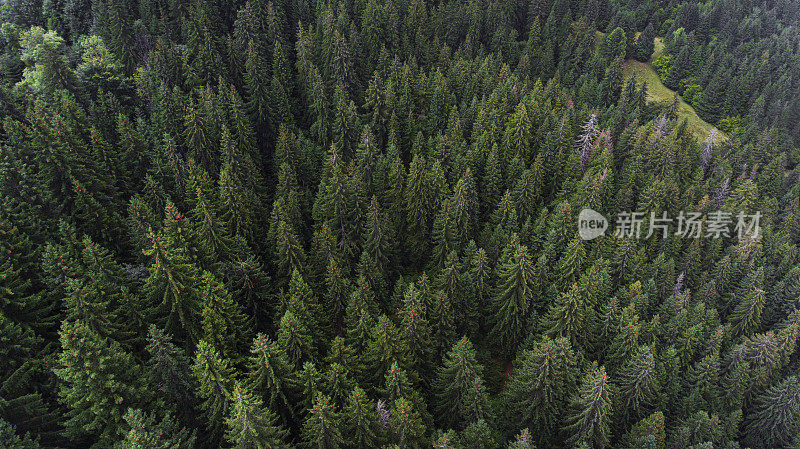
[[586, 140], [773, 422]]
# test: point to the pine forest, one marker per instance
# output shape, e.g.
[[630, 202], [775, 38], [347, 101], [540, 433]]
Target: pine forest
[[346, 224]]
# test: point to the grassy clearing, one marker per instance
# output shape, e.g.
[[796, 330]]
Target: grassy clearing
[[657, 91]]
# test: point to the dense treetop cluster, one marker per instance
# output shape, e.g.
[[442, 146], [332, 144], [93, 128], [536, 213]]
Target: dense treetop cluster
[[353, 224]]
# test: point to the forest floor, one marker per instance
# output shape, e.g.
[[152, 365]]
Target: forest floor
[[657, 91]]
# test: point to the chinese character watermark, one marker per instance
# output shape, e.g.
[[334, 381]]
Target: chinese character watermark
[[694, 225]]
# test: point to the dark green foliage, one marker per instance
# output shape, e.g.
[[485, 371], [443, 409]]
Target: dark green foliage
[[169, 371], [512, 301], [321, 429], [173, 286], [10, 440], [461, 396], [97, 399], [269, 374], [147, 432], [774, 419], [588, 422], [215, 386], [540, 386], [353, 224], [250, 425]]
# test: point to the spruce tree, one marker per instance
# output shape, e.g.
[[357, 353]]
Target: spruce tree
[[215, 379], [169, 371], [173, 287], [461, 397], [523, 440], [360, 420], [512, 301], [322, 426], [638, 383], [588, 421], [99, 381], [269, 375], [774, 419], [540, 386], [407, 426], [146, 432], [224, 324], [252, 426]]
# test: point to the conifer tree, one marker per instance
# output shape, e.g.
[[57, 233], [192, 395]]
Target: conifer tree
[[539, 388], [478, 435], [512, 301], [173, 287], [257, 84], [296, 339], [145, 432], [645, 43], [638, 383], [303, 303], [360, 420], [518, 131], [464, 207], [588, 421], [648, 432], [443, 330], [99, 381], [774, 419], [415, 329], [746, 316], [407, 426], [377, 240], [384, 348], [251, 288], [268, 375], [215, 379], [523, 440], [712, 100], [570, 317], [10, 439], [224, 324], [461, 395], [322, 426], [169, 371], [251, 425]]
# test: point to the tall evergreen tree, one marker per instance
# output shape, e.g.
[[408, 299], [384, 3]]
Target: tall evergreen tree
[[99, 381], [215, 387], [513, 299], [461, 395], [251, 425], [589, 419], [173, 287], [540, 386]]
